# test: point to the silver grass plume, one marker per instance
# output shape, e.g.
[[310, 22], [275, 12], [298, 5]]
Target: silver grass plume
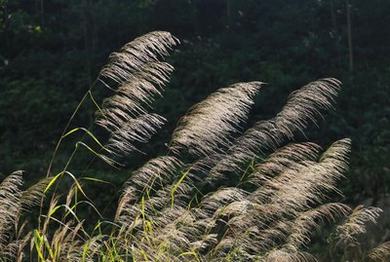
[[303, 107], [308, 221], [283, 159], [211, 123], [355, 224], [140, 75], [14, 250], [161, 185], [13, 203], [137, 130], [166, 187], [134, 55], [133, 98], [155, 174], [306, 105], [221, 198], [33, 195], [158, 171], [284, 255], [380, 253], [10, 194], [308, 182]]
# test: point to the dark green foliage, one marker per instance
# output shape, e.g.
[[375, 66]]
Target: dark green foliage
[[51, 51], [50, 54]]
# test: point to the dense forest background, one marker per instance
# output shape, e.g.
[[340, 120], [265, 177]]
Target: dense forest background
[[52, 50]]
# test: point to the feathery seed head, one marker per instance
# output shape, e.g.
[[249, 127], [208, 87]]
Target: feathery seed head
[[210, 124]]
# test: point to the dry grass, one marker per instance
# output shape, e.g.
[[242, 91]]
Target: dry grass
[[221, 193]]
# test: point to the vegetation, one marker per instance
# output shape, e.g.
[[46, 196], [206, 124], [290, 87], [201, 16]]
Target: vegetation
[[223, 191], [51, 51]]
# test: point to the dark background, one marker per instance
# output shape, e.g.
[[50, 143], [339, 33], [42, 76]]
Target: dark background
[[51, 51]]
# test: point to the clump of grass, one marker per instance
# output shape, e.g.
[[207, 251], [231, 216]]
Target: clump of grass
[[220, 193]]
